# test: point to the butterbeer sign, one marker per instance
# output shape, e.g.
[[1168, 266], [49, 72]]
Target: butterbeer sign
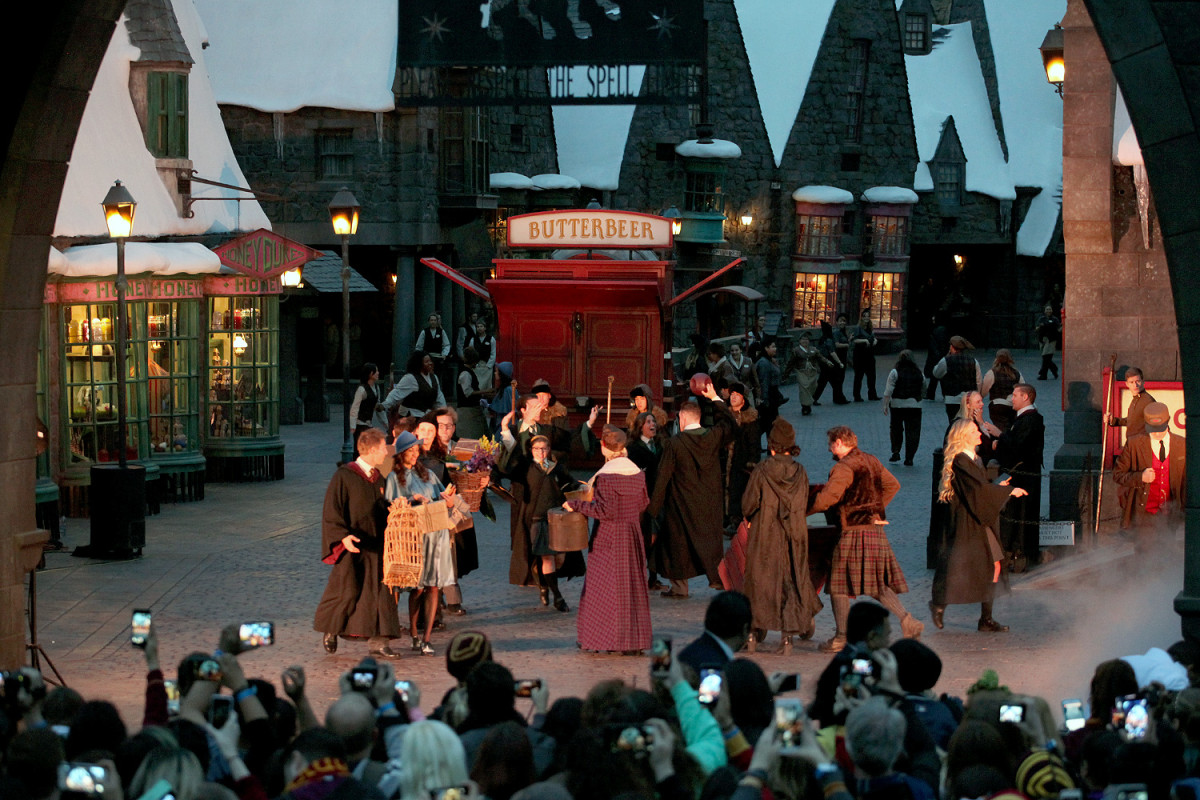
[[590, 228]]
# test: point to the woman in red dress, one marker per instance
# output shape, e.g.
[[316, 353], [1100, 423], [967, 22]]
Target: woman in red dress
[[614, 610]]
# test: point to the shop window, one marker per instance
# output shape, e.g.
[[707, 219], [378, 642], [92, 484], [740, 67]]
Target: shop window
[[856, 88], [949, 168], [883, 298], [818, 236], [815, 300], [335, 154], [243, 368], [887, 236], [42, 404], [90, 383], [498, 226], [703, 192], [167, 114], [173, 377], [916, 34], [463, 156]]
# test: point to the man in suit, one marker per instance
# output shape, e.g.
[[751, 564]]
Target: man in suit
[[726, 629], [1019, 451], [1153, 471]]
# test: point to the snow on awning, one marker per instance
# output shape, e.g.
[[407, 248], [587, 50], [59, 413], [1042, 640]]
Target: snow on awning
[[591, 139], [551, 181], [156, 258], [280, 55], [782, 41], [715, 148], [509, 180], [824, 195], [890, 195], [948, 83]]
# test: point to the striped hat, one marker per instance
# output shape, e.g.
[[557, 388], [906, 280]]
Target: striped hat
[[1042, 775]]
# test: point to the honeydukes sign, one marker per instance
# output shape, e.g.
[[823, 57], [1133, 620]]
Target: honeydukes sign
[[590, 228], [264, 254]]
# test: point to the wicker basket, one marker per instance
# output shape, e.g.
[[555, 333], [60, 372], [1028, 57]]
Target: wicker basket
[[470, 485], [403, 557]]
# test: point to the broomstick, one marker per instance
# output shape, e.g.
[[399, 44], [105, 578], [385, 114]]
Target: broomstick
[[608, 405], [1103, 445]]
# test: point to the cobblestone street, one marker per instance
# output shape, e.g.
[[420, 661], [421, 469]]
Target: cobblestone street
[[250, 551]]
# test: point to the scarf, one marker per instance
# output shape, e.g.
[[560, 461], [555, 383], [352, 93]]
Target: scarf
[[323, 769]]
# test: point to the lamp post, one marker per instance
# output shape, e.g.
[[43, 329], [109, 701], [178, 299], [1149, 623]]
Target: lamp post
[[119, 206], [1052, 58], [343, 213]]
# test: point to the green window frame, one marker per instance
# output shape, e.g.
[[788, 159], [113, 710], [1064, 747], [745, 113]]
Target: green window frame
[[173, 376], [167, 114], [702, 192], [243, 387], [818, 235]]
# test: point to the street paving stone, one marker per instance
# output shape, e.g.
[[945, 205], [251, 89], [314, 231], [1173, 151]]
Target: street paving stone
[[251, 552]]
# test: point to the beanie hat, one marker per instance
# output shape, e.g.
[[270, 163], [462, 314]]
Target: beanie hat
[[466, 650]]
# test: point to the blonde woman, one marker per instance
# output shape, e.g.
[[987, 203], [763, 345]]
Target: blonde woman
[[968, 568]]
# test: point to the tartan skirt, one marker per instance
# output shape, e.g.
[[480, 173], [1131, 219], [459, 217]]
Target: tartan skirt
[[864, 564]]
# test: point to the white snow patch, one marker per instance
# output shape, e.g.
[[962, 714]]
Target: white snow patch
[[1031, 111], [509, 180], [110, 146], [717, 148], [157, 258], [591, 139], [828, 195], [782, 40], [281, 55], [892, 195], [922, 179], [549, 180], [949, 83], [1126, 149]]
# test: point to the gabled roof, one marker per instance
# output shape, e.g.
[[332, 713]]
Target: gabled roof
[[154, 31], [591, 139]]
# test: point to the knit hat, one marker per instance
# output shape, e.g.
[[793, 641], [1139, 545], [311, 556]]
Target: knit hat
[[466, 650], [737, 386], [917, 667], [1042, 775], [782, 438]]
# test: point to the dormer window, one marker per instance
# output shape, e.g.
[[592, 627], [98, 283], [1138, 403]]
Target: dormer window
[[949, 169], [916, 34], [167, 114]]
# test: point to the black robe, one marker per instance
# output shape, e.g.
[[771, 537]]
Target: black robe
[[355, 602], [782, 597], [639, 453], [1019, 451], [971, 545], [688, 491], [534, 493]]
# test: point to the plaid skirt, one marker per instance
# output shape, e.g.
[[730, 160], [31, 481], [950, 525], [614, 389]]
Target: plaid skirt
[[863, 564]]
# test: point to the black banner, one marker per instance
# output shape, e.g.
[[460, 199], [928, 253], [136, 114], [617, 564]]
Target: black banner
[[546, 33]]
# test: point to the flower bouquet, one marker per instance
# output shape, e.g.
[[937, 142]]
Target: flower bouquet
[[474, 471]]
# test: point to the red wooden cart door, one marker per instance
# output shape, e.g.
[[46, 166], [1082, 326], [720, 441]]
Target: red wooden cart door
[[617, 344], [547, 349]]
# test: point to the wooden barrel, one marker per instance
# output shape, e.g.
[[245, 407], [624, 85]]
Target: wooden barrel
[[568, 530]]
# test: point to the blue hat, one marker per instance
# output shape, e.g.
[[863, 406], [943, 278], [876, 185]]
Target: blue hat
[[404, 441]]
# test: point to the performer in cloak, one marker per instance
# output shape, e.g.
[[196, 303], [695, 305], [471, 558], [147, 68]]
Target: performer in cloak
[[689, 493]]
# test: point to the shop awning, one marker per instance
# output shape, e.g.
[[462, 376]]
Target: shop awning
[[324, 274], [449, 272], [743, 292], [679, 298]]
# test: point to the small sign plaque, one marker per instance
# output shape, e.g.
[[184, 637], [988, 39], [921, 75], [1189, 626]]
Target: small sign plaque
[[1053, 533]]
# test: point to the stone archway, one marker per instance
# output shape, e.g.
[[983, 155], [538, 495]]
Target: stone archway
[[49, 82], [1153, 47]]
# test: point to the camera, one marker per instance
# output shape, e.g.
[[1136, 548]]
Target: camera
[[450, 793], [140, 627], [1012, 712], [789, 722], [256, 634], [1073, 716], [219, 710], [88, 779], [402, 689], [660, 655], [362, 678], [637, 741], [172, 689], [524, 688], [861, 667], [1136, 718], [710, 685]]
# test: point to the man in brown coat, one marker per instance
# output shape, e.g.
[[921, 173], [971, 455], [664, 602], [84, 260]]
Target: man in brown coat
[[1153, 471], [858, 490]]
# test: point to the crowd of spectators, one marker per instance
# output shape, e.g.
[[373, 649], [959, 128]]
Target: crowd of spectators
[[876, 729]]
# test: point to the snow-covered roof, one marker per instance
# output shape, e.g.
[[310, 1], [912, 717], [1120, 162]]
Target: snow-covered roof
[[280, 55], [1031, 111], [549, 180], [822, 194], [1126, 150], [158, 258], [109, 118], [591, 139], [892, 195], [782, 41], [949, 83], [509, 180], [714, 148]]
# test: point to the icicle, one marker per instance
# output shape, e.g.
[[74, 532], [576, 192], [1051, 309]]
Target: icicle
[[379, 130], [1141, 183], [277, 118]]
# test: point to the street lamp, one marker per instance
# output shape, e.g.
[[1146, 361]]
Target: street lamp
[[1052, 57], [676, 218], [291, 279], [343, 213], [119, 206]]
